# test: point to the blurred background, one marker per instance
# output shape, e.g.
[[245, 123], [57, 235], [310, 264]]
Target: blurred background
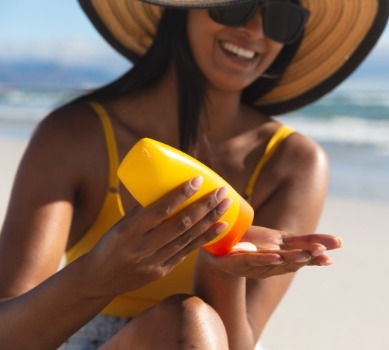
[[49, 53]]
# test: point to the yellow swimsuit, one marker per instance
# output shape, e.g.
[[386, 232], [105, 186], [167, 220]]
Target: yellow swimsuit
[[180, 279]]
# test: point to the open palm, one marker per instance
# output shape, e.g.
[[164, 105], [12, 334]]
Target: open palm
[[264, 252]]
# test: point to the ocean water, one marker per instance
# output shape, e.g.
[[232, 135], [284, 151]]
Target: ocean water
[[351, 123]]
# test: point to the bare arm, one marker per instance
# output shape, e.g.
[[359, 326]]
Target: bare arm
[[40, 307], [293, 205], [141, 248], [35, 234]]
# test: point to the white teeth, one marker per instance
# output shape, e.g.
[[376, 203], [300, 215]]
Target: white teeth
[[238, 50]]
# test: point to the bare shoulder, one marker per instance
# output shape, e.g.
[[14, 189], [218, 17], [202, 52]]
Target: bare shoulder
[[72, 123], [65, 142], [292, 189], [67, 130], [300, 152]]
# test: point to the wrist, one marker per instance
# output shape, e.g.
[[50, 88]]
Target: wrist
[[208, 264], [90, 282]]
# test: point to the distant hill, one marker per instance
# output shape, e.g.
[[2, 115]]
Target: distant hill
[[49, 74]]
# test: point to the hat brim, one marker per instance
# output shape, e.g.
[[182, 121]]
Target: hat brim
[[338, 36], [198, 4]]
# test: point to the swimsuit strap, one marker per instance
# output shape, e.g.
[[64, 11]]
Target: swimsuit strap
[[281, 134], [111, 145]]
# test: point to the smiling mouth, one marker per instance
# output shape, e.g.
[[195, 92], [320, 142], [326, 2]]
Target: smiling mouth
[[238, 51]]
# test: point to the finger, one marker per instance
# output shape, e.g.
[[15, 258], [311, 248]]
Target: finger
[[306, 241], [174, 254], [192, 221], [160, 210], [322, 260], [317, 249], [297, 256], [187, 239], [264, 259]]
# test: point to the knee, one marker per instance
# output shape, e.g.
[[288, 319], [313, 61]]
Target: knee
[[181, 304], [182, 301], [196, 322], [186, 309]]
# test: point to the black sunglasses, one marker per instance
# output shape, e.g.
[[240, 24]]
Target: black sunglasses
[[282, 21]]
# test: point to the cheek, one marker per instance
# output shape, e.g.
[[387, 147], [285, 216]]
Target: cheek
[[197, 27], [200, 36]]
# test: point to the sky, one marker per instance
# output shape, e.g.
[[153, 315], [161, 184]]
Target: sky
[[52, 29], [59, 30]]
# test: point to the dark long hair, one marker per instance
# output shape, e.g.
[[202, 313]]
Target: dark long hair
[[171, 46]]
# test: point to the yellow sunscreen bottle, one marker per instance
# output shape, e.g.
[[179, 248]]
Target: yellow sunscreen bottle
[[151, 169]]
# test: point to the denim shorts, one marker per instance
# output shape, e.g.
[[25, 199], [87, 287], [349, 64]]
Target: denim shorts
[[95, 333], [98, 331]]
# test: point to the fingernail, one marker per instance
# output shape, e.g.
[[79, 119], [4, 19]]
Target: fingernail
[[304, 258], [326, 263], [279, 261], [221, 193], [196, 182], [340, 242], [220, 227], [224, 205], [318, 251]]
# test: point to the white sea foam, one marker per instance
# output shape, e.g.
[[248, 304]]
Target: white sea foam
[[355, 114], [350, 116], [344, 129], [30, 105], [359, 97], [352, 126]]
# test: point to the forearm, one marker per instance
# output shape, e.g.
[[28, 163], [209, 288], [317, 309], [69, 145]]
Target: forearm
[[227, 295], [263, 297], [46, 316]]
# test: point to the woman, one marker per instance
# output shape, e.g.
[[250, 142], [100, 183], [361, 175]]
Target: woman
[[207, 85]]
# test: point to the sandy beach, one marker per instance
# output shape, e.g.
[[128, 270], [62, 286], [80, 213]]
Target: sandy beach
[[341, 307], [344, 306], [11, 150]]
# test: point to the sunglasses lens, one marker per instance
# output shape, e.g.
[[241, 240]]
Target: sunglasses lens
[[233, 16], [284, 22]]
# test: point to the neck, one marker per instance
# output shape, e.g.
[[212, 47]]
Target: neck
[[222, 114], [153, 112]]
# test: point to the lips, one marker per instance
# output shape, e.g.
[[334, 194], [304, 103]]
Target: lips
[[238, 51]]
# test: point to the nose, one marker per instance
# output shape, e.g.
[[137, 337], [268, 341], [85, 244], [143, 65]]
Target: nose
[[254, 27]]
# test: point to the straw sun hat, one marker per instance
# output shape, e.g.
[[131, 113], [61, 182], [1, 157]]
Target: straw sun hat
[[338, 36]]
